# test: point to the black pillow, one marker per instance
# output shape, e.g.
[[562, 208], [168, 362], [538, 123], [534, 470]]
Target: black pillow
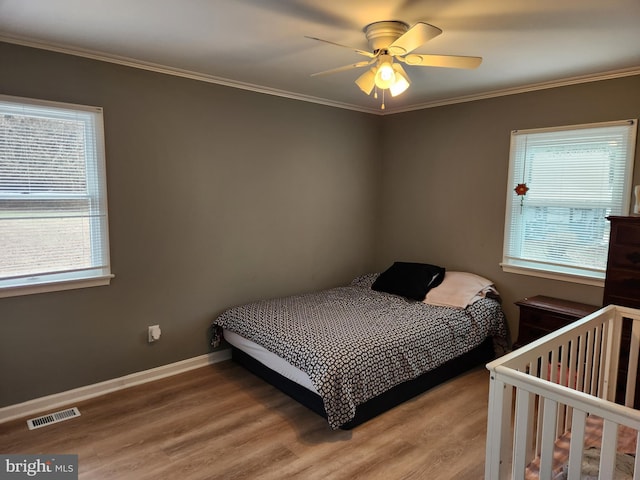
[[411, 280]]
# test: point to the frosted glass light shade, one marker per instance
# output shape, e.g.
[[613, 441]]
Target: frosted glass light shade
[[385, 75], [366, 81], [401, 82]]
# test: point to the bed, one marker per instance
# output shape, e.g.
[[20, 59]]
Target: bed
[[562, 406], [349, 353]]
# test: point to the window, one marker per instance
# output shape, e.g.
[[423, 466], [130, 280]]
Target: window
[[53, 200], [576, 176]]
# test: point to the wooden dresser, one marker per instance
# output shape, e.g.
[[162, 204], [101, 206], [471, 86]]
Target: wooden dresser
[[540, 315], [622, 284]]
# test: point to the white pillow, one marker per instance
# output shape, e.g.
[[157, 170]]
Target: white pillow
[[459, 289]]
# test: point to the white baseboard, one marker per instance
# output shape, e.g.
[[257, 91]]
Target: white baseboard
[[57, 400]]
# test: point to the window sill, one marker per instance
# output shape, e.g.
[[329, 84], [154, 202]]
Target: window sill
[[563, 277], [15, 291]]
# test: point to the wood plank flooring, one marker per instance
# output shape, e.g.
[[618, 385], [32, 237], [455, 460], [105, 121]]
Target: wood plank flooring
[[221, 422]]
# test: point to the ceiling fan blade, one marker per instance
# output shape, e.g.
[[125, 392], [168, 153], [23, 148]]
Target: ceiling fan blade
[[449, 61], [357, 50], [417, 35], [364, 63], [314, 12]]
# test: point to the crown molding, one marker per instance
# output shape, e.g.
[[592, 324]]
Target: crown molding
[[178, 72], [153, 67], [596, 77]]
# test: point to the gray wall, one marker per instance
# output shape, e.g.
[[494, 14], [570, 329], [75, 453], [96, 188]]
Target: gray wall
[[217, 196], [444, 180]]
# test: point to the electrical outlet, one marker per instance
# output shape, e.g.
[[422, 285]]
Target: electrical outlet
[[154, 333]]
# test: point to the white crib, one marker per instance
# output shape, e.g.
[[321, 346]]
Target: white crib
[[552, 387]]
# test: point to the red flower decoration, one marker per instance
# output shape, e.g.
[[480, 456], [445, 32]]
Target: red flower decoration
[[521, 189]]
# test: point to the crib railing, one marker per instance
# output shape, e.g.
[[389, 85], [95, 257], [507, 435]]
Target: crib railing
[[547, 388]]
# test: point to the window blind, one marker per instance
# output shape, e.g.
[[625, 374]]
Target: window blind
[[576, 176], [53, 206]]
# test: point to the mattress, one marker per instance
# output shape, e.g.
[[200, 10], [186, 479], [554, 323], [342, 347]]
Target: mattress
[[269, 360], [381, 403]]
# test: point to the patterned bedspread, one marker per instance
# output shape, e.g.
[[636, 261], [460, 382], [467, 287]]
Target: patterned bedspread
[[355, 343]]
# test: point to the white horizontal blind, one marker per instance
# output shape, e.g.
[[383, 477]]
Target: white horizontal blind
[[577, 176], [53, 209]]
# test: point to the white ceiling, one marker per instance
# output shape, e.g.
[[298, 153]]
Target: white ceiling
[[261, 44]]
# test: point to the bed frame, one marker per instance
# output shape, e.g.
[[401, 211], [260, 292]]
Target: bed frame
[[398, 394], [550, 387]]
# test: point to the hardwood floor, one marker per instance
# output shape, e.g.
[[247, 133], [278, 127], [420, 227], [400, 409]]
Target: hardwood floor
[[221, 422]]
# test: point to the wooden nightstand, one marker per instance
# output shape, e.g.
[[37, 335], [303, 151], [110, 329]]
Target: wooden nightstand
[[541, 315]]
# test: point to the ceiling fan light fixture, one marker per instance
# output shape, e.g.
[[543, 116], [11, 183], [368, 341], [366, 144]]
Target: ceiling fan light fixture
[[401, 82], [390, 42], [385, 74]]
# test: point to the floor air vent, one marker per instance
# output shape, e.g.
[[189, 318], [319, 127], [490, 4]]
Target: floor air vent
[[51, 418]]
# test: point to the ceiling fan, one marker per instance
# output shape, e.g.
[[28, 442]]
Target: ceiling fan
[[393, 40]]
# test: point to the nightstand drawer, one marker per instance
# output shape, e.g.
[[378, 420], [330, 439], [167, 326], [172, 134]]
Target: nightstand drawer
[[541, 315], [544, 320], [530, 332]]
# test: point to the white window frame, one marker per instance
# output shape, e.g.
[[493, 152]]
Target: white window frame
[[515, 262], [49, 278]]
